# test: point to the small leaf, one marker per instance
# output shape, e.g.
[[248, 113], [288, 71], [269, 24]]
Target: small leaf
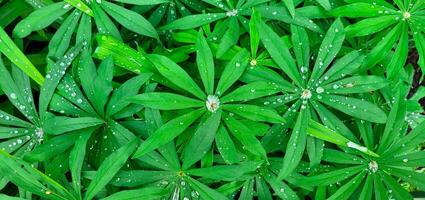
[[255, 113]]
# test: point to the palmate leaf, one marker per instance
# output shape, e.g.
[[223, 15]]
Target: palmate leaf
[[79, 4]]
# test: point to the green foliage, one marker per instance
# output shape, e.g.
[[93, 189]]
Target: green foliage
[[212, 99]]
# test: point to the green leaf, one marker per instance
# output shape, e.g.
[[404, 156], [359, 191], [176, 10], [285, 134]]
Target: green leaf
[[329, 48], [62, 37], [168, 132], [225, 146], [142, 193], [360, 9], [76, 158], [205, 62], [229, 39], [250, 91], [345, 191], [281, 189], [254, 36], [290, 6], [109, 168], [343, 66], [204, 191], [361, 109], [245, 136], [400, 56], [103, 23], [120, 96], [201, 140], [54, 76], [40, 18], [278, 50], [370, 26], [333, 176], [9, 48], [296, 144], [193, 21], [397, 191], [301, 46], [144, 2], [255, 113], [383, 47], [356, 84], [81, 6], [319, 131], [325, 4], [166, 101], [51, 148], [102, 85], [130, 19], [13, 171], [176, 75], [232, 71], [123, 55], [59, 125]]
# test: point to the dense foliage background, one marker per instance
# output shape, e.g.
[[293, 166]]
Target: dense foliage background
[[212, 99]]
